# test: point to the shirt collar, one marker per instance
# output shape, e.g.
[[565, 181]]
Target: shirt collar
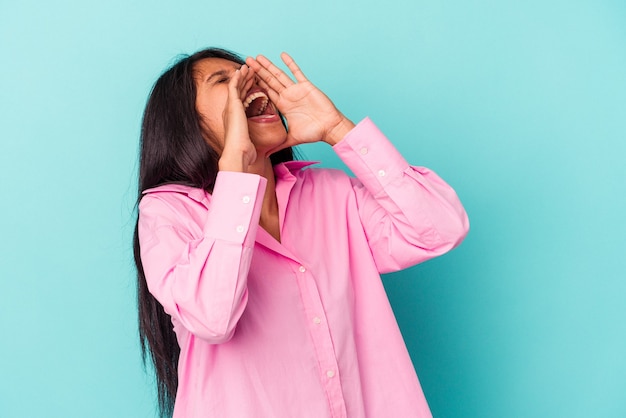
[[196, 194], [287, 169], [282, 171]]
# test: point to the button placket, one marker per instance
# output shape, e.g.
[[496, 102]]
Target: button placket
[[320, 333]]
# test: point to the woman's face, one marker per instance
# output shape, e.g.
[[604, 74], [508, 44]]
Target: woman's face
[[264, 124]]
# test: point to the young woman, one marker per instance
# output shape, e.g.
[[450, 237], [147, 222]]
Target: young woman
[[259, 287]]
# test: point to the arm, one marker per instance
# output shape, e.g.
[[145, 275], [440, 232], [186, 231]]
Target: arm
[[196, 263], [198, 271], [409, 214]]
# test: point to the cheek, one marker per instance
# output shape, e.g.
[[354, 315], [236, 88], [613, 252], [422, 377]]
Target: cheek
[[213, 139], [210, 116], [210, 107], [212, 127]]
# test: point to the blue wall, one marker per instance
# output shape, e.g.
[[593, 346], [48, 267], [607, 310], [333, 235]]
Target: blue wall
[[521, 106]]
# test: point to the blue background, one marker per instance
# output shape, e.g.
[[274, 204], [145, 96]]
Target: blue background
[[521, 106]]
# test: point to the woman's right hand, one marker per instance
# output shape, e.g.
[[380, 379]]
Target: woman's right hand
[[239, 152]]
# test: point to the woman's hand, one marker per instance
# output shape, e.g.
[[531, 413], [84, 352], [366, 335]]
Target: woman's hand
[[311, 116], [239, 152]]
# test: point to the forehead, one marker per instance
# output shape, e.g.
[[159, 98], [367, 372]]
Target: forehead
[[207, 66]]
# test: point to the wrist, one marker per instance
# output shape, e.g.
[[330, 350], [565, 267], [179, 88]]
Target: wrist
[[233, 162], [231, 165], [237, 156], [339, 131]]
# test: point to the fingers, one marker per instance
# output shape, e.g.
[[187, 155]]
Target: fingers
[[238, 86], [241, 82], [273, 95], [234, 85], [273, 76], [293, 67], [272, 88], [250, 77]]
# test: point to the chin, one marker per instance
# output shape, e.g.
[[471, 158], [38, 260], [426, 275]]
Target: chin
[[267, 137]]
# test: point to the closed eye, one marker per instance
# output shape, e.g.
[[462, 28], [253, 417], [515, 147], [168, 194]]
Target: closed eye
[[219, 77]]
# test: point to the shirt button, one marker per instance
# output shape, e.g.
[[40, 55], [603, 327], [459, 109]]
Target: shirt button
[[302, 269], [381, 173], [246, 199], [317, 320], [239, 228], [330, 373], [363, 151]]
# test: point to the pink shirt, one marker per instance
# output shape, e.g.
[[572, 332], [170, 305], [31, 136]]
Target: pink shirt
[[300, 328]]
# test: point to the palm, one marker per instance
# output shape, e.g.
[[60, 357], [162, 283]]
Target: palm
[[308, 112]]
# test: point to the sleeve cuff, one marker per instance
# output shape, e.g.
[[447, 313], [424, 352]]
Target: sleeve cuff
[[235, 207], [371, 156]]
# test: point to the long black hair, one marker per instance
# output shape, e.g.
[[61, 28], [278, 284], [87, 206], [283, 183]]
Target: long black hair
[[173, 149]]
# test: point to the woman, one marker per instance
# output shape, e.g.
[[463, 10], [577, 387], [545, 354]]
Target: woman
[[259, 287]]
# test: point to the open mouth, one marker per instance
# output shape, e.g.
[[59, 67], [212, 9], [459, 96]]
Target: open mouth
[[258, 104]]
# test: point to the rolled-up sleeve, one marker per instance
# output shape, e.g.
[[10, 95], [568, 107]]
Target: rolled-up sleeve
[[197, 269], [409, 213]]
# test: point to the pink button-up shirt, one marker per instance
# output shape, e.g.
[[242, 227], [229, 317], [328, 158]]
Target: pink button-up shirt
[[302, 327]]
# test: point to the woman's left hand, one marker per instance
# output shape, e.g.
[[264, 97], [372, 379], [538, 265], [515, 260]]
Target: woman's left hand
[[311, 115]]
